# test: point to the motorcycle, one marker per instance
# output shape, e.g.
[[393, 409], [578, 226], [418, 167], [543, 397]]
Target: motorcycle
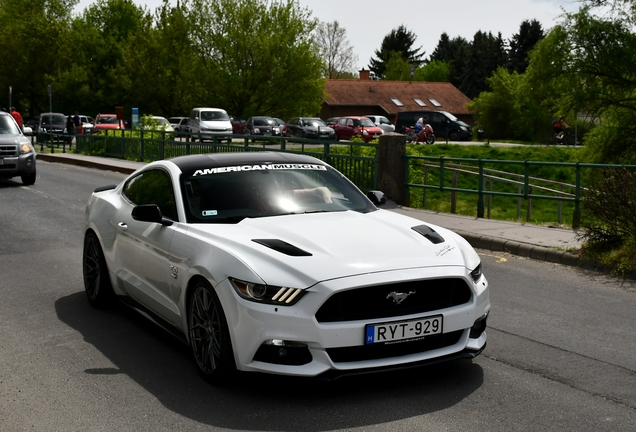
[[425, 135]]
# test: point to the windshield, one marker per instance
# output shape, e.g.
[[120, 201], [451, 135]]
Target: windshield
[[49, 120], [230, 194], [214, 116], [314, 122], [107, 120], [364, 122], [449, 115], [8, 126], [264, 122]]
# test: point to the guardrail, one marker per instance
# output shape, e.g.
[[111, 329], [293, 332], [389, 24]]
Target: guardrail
[[445, 177]]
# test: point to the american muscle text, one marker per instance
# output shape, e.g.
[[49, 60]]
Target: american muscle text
[[259, 167]]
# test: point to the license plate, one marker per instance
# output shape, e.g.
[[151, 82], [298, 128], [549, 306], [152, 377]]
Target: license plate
[[403, 330]]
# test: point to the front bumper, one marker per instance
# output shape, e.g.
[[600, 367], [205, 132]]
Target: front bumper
[[17, 165], [337, 348]]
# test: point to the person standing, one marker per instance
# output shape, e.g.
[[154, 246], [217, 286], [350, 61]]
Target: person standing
[[78, 123], [17, 116], [70, 129]]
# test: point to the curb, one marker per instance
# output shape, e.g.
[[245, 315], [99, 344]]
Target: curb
[[527, 250], [85, 163]]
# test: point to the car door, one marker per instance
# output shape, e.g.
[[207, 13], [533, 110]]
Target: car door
[[142, 254], [345, 129], [292, 127]]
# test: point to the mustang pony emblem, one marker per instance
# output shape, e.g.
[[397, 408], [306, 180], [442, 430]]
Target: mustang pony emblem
[[399, 297]]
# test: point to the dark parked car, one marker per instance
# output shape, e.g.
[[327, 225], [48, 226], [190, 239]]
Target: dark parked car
[[309, 127], [444, 124], [52, 127], [261, 126]]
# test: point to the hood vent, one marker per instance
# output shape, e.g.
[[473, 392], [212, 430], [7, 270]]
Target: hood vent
[[429, 233], [282, 247]]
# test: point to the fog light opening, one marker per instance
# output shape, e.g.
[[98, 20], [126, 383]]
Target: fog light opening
[[277, 351], [479, 326]]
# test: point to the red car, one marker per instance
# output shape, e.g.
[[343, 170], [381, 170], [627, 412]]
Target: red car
[[348, 126], [107, 121]]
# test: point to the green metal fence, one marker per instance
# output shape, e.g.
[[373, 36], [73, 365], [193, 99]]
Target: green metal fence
[[358, 161], [518, 181]]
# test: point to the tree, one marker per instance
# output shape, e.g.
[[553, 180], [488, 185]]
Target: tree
[[397, 68], [157, 71], [484, 55], [334, 49], [101, 38], [530, 32], [433, 71], [41, 28], [256, 57], [589, 59], [399, 40], [454, 52]]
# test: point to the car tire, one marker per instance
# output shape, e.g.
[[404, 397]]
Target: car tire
[[209, 335], [453, 135], [28, 179], [97, 285]]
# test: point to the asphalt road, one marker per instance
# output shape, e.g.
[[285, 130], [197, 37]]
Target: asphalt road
[[561, 352]]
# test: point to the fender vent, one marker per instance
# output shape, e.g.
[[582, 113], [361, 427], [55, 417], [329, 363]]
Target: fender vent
[[282, 247]]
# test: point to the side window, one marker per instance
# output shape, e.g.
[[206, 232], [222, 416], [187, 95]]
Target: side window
[[153, 187]]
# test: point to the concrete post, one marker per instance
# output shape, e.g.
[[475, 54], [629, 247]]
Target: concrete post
[[392, 172]]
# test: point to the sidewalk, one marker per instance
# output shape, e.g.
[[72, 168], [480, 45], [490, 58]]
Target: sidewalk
[[533, 241]]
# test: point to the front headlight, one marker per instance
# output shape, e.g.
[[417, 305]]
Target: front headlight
[[257, 130], [463, 128], [26, 148], [476, 273], [282, 296]]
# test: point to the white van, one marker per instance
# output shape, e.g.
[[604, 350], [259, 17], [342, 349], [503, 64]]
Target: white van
[[205, 122]]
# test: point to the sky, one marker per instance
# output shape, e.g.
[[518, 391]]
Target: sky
[[367, 22]]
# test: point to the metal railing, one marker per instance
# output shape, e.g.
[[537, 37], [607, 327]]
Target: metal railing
[[442, 174]]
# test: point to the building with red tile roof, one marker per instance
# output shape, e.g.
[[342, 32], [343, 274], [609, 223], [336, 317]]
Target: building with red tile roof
[[366, 97]]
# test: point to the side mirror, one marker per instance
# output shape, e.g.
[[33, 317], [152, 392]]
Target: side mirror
[[149, 213], [376, 197]]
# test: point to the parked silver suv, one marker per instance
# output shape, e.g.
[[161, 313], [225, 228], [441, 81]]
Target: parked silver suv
[[17, 155]]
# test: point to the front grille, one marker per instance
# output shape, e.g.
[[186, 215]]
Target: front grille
[[378, 301], [9, 150], [381, 351]]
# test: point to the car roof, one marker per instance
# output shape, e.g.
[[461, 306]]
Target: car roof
[[194, 162], [107, 115]]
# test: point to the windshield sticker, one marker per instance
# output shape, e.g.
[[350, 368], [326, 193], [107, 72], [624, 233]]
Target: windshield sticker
[[209, 212], [208, 171]]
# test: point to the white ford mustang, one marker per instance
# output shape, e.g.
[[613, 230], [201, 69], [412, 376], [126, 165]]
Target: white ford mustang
[[277, 263]]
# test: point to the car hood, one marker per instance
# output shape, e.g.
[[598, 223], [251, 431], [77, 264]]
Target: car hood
[[16, 139], [335, 245]]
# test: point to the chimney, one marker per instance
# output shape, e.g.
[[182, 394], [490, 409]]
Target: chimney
[[365, 75]]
